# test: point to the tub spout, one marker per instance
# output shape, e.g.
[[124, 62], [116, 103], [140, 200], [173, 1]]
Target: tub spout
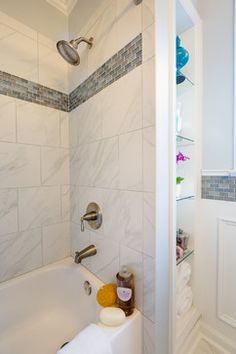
[[86, 252]]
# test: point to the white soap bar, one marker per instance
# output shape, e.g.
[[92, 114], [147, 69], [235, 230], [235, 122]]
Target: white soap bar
[[112, 316]]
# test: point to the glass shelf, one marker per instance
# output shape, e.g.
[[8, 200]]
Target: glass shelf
[[184, 197], [187, 253], [185, 85], [183, 140]]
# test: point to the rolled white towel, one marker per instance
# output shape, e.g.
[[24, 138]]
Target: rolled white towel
[[89, 341], [183, 275], [184, 301]]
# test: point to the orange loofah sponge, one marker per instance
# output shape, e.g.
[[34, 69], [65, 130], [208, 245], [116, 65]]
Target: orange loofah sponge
[[106, 295]]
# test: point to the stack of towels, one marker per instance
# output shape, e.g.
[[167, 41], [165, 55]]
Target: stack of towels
[[184, 294]]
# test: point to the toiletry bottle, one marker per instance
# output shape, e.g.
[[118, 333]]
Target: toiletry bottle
[[125, 290]]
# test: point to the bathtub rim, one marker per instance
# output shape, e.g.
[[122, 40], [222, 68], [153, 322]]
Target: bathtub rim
[[65, 263]]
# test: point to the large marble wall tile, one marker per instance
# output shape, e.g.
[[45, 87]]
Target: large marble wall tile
[[122, 113], [130, 158], [19, 165], [113, 215], [8, 211], [90, 120], [149, 42], [39, 206], [74, 125], [55, 166], [53, 69], [105, 264], [64, 129], [17, 26], [20, 252], [132, 205], [105, 163], [5, 31], [86, 122], [122, 215], [104, 32], [149, 159], [149, 337], [129, 22], [74, 204], [148, 15], [56, 242], [37, 124], [80, 165], [19, 56], [149, 287], [7, 118], [134, 261], [65, 202], [149, 224], [149, 93]]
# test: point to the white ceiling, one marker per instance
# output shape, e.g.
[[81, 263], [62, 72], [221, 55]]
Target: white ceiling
[[64, 6]]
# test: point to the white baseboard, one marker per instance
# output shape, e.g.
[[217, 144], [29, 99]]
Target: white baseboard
[[217, 340], [187, 330], [191, 342], [201, 331]]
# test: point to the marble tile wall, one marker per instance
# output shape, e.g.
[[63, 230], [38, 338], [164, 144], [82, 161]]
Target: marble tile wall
[[47, 180], [34, 186], [112, 157], [34, 157], [30, 55]]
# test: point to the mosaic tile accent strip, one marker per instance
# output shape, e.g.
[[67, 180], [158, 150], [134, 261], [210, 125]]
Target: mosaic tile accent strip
[[14, 86], [219, 188], [120, 64], [127, 59]]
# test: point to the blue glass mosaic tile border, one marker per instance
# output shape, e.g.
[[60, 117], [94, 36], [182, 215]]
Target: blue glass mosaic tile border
[[127, 59], [14, 86], [219, 188], [120, 64]]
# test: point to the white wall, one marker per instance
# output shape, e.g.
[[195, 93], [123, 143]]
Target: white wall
[[217, 132], [211, 261]]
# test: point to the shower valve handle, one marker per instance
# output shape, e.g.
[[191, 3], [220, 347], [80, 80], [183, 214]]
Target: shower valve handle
[[90, 216], [93, 216]]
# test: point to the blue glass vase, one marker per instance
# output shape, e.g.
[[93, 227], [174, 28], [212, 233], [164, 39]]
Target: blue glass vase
[[182, 57]]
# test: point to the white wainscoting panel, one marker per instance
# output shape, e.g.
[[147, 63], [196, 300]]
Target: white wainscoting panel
[[226, 302]]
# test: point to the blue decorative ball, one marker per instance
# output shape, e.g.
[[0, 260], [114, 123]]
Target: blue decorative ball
[[182, 55]]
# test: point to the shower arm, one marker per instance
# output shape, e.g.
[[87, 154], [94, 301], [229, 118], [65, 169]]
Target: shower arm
[[77, 41]]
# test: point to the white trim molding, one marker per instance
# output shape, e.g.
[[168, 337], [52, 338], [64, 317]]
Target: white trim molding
[[226, 308], [231, 173], [65, 6]]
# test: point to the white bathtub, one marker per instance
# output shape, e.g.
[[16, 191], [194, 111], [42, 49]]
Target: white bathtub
[[43, 309]]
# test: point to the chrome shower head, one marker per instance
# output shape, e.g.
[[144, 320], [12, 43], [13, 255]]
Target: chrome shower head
[[68, 50]]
